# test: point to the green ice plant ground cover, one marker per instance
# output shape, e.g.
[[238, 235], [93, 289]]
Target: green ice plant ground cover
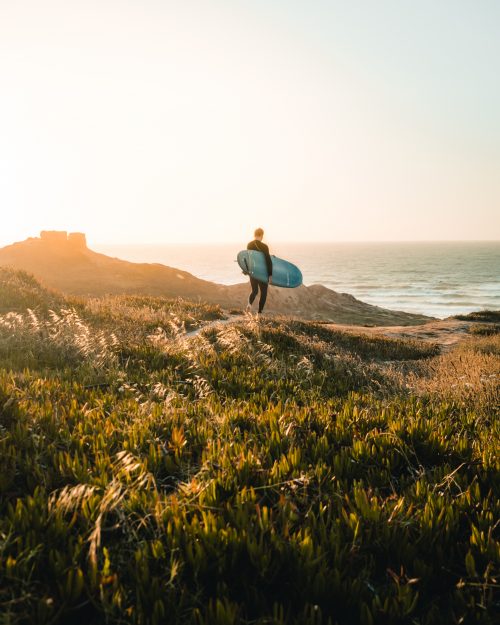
[[260, 472]]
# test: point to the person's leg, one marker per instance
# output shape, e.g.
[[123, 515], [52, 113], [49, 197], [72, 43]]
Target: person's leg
[[263, 295], [255, 289]]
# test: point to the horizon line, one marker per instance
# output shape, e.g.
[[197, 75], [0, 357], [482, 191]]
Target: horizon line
[[273, 242], [297, 242]]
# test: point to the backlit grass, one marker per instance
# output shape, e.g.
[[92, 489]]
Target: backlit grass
[[259, 472]]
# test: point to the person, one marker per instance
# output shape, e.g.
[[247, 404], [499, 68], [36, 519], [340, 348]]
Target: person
[[259, 246]]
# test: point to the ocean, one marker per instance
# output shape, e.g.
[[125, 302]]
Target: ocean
[[437, 279]]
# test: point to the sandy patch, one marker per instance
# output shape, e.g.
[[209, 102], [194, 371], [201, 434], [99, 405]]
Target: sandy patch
[[446, 332]]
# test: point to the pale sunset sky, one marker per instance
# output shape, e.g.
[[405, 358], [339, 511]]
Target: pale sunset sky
[[196, 121]]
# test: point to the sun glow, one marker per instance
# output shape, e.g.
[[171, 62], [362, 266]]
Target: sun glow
[[186, 122]]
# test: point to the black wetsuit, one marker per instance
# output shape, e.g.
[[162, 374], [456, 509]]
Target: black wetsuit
[[258, 246]]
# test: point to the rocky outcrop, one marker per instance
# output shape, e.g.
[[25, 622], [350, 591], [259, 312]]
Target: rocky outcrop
[[77, 240], [64, 262], [58, 238], [54, 237]]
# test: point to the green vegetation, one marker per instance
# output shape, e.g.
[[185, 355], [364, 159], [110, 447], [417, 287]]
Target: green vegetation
[[485, 329], [19, 291], [481, 315], [258, 472]]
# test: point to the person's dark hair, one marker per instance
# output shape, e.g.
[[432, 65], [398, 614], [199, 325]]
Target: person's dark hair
[[258, 233]]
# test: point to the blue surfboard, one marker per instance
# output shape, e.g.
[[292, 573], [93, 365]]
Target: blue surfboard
[[285, 274]]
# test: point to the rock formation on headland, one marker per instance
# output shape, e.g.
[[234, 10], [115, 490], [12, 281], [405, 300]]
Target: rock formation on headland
[[76, 240], [63, 261]]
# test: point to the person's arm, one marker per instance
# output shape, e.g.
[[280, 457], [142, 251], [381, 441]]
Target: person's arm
[[269, 262]]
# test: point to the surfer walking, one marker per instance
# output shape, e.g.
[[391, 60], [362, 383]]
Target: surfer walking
[[259, 246]]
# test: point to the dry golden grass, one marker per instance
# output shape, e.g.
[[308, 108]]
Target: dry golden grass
[[172, 314], [469, 374], [62, 337]]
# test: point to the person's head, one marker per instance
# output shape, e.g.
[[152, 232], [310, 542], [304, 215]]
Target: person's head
[[259, 234]]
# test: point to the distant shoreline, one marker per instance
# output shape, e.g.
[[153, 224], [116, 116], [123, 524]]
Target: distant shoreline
[[439, 279]]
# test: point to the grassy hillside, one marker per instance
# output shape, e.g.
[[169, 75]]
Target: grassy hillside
[[74, 269], [19, 291], [259, 472]]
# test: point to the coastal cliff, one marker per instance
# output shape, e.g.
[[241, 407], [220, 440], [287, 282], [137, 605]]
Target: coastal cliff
[[63, 261]]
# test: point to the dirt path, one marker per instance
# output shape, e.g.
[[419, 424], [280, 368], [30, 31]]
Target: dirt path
[[446, 332], [216, 323]]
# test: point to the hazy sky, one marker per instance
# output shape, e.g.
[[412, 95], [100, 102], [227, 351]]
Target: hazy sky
[[158, 121]]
